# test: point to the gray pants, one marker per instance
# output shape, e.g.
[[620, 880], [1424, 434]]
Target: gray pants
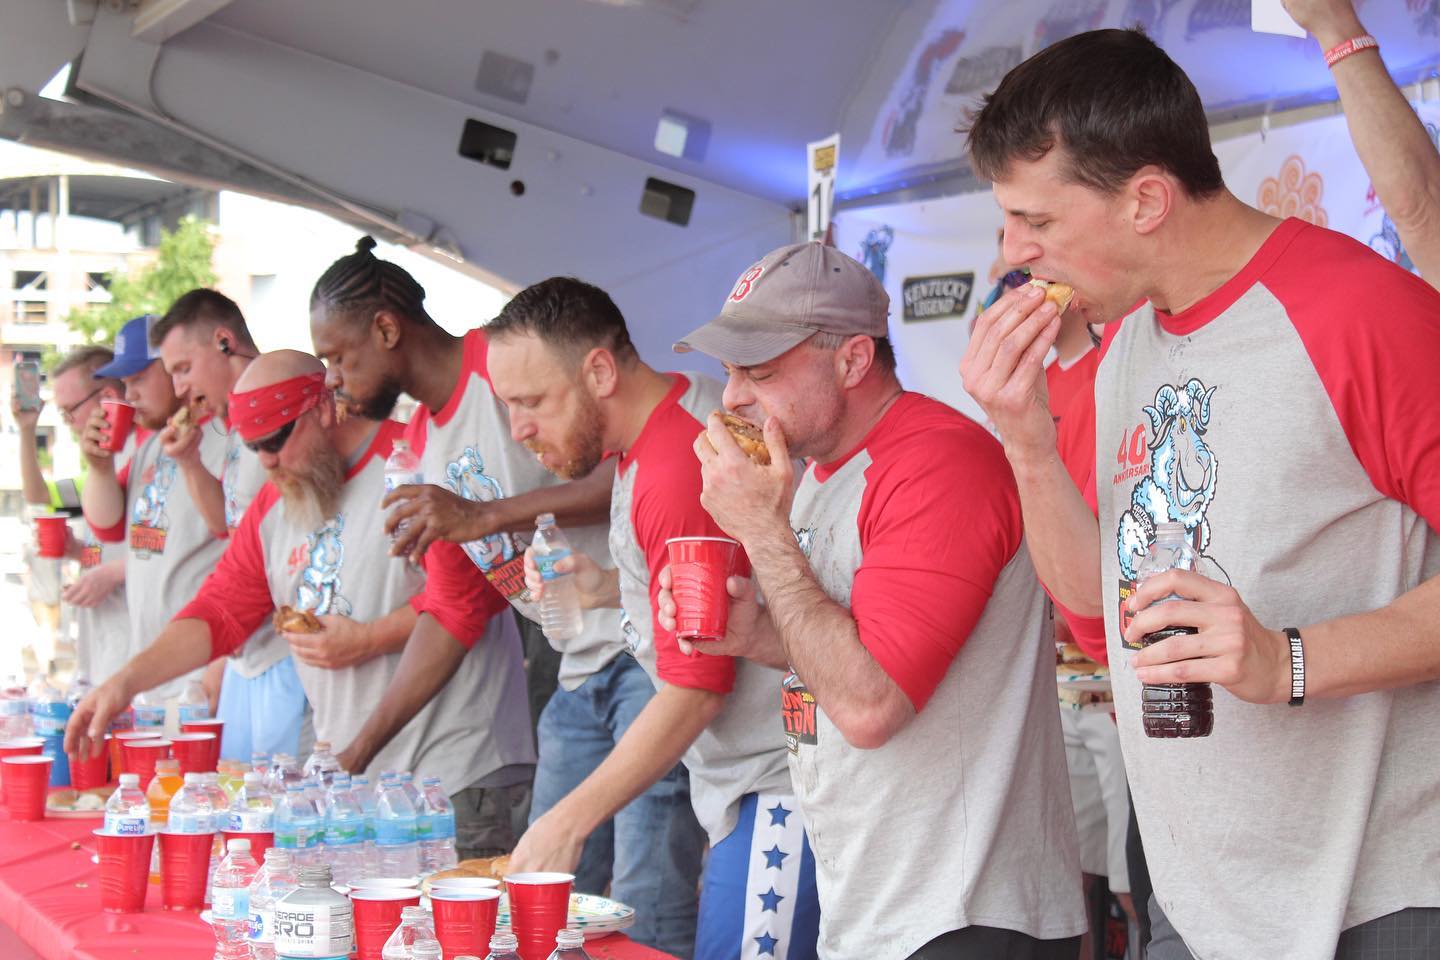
[[992, 943], [1412, 934]]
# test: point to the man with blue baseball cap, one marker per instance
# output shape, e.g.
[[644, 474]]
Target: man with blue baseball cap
[[149, 502]]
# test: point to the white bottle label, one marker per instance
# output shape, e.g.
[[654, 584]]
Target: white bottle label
[[261, 922], [121, 825], [313, 931], [250, 821], [230, 904]]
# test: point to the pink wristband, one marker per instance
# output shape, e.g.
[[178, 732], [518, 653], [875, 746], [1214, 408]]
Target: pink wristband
[[1352, 46]]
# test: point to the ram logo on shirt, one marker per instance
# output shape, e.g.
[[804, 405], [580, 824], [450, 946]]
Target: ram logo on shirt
[[148, 520], [319, 587]]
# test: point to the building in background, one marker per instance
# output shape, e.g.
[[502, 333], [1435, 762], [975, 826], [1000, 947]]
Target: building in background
[[67, 223]]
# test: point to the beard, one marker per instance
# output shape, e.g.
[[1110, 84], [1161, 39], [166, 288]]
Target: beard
[[584, 441], [380, 406], [312, 496]]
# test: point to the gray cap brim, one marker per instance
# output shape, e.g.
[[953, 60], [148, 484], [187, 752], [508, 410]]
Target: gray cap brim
[[743, 343]]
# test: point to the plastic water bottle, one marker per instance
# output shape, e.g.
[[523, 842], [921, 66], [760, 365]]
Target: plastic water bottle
[[560, 605], [127, 811], [49, 712], [14, 710], [504, 946], [407, 783], [322, 764], [274, 880], [364, 795], [402, 467], [569, 945], [149, 710], [315, 792], [253, 810], [437, 830], [260, 763], [344, 831], [395, 844], [415, 926], [298, 826], [313, 921], [230, 901], [191, 809], [1172, 710], [79, 687], [194, 702]]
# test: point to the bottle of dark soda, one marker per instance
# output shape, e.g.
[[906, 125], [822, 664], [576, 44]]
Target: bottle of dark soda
[[1172, 710]]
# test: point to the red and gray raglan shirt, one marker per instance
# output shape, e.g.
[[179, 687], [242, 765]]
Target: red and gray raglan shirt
[[340, 567], [917, 532], [1288, 420], [657, 497], [171, 548], [466, 448]]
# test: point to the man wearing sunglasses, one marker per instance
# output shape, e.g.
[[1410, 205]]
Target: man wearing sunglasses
[[102, 624], [206, 348], [310, 539], [148, 501]]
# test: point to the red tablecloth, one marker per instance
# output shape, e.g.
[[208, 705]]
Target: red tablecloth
[[49, 896]]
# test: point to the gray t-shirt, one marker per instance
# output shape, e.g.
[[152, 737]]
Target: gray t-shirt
[[657, 496], [1286, 421], [963, 817], [241, 479]]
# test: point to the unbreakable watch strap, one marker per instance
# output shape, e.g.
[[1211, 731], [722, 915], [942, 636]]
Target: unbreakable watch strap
[[1297, 667]]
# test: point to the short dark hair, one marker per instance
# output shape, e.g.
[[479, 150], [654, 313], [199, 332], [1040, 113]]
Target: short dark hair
[[884, 349], [202, 306], [1113, 100], [361, 282], [570, 315], [89, 359]]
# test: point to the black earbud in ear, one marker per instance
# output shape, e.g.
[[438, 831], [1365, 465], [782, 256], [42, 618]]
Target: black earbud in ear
[[225, 347]]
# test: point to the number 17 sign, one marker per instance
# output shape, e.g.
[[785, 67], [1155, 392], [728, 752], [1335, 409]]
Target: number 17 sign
[[822, 156]]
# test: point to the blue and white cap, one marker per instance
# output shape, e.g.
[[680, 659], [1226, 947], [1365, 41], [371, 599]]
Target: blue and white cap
[[133, 352]]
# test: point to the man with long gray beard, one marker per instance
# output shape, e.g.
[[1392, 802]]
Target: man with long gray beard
[[290, 549]]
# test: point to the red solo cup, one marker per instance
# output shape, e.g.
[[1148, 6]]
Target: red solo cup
[[93, 771], [27, 784], [184, 864], [466, 885], [124, 870], [377, 914], [118, 738], [464, 919], [139, 757], [539, 909], [207, 725], [121, 415], [198, 752], [699, 567], [123, 722], [260, 841], [50, 535], [19, 747]]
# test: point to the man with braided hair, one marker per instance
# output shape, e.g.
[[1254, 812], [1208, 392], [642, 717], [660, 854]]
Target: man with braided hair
[[482, 493], [206, 347]]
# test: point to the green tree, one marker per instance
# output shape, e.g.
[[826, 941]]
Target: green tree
[[183, 263]]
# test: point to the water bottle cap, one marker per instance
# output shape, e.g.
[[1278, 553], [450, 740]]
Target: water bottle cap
[[503, 942], [545, 520], [314, 876], [129, 779], [239, 843], [569, 938], [414, 913], [278, 856]]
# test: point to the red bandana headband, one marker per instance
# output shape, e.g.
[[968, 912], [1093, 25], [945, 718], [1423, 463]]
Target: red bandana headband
[[260, 412]]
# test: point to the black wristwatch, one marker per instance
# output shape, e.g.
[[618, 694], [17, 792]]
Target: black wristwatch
[[1297, 667]]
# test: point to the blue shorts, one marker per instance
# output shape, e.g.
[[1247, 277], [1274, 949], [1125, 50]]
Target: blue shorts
[[758, 898], [263, 714]]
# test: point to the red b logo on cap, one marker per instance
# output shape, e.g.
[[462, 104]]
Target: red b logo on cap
[[746, 283]]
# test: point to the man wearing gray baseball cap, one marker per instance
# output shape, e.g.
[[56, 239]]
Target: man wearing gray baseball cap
[[919, 701]]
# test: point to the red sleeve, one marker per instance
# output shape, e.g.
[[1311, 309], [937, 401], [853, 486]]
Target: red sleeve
[[665, 504], [457, 594], [116, 532], [1372, 330], [235, 599], [935, 533], [1076, 443]]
